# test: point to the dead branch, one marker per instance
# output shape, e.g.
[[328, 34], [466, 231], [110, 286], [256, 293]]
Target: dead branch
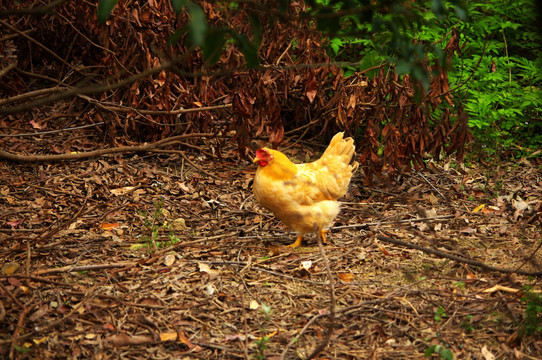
[[15, 336], [458, 258], [364, 225], [331, 317], [116, 150], [72, 268]]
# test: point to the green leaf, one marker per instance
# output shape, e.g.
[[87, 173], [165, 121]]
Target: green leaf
[[256, 28], [197, 25], [104, 9], [174, 38], [178, 5], [213, 45], [431, 350], [446, 354], [248, 49]]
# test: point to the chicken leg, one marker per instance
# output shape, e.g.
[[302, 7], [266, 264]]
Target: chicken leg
[[299, 241]]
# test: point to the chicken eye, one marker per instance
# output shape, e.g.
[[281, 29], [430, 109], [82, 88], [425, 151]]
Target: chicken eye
[[262, 154]]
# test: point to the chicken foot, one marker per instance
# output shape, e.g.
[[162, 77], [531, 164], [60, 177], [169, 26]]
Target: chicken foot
[[299, 241]]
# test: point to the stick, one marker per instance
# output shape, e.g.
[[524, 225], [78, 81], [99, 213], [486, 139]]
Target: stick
[[331, 323], [458, 258]]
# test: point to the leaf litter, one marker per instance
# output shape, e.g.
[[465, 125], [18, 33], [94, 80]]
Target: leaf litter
[[211, 276]]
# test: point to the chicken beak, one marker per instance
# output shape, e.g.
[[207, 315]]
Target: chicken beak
[[255, 160]]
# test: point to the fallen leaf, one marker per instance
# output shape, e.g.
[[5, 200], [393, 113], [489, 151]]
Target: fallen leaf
[[210, 289], [109, 327], [311, 87], [384, 250], [109, 226], [169, 259], [39, 341], [467, 230], [43, 310], [35, 125], [178, 224], [10, 268], [478, 208], [487, 354], [306, 264], [124, 340], [205, 268], [253, 305], [346, 276], [122, 191], [14, 223]]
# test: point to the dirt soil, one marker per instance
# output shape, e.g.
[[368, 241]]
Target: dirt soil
[[148, 256]]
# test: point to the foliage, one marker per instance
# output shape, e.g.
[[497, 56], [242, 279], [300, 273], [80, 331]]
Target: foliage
[[443, 352], [532, 320], [504, 97], [155, 222], [495, 76]]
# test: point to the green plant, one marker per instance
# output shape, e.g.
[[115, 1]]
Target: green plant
[[498, 77], [443, 352], [155, 222], [495, 76], [261, 343], [439, 314], [466, 324], [532, 319]]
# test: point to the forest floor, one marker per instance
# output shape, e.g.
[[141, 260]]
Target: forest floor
[[146, 256]]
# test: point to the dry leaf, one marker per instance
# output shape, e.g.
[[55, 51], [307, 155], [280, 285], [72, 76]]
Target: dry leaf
[[10, 268], [124, 340], [346, 276], [169, 259], [109, 226], [487, 354], [122, 191], [306, 264], [311, 87], [205, 268], [168, 336], [210, 289], [478, 208], [178, 224], [253, 305]]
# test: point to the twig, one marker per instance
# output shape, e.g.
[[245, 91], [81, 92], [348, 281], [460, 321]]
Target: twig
[[257, 268], [364, 225], [38, 10], [121, 149], [180, 152], [72, 268], [457, 258], [29, 38], [331, 316], [10, 295], [430, 184], [529, 258], [15, 335], [125, 109], [7, 69], [296, 338], [52, 131]]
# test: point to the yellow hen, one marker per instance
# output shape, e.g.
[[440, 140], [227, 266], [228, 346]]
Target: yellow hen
[[304, 196]]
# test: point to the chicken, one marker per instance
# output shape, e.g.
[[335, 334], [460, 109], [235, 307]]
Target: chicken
[[304, 196]]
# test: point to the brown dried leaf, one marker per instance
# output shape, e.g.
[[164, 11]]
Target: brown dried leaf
[[311, 87]]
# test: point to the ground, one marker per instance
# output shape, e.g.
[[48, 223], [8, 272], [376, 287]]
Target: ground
[[167, 255]]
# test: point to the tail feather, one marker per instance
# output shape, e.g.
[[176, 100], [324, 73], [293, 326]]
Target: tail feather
[[342, 147]]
